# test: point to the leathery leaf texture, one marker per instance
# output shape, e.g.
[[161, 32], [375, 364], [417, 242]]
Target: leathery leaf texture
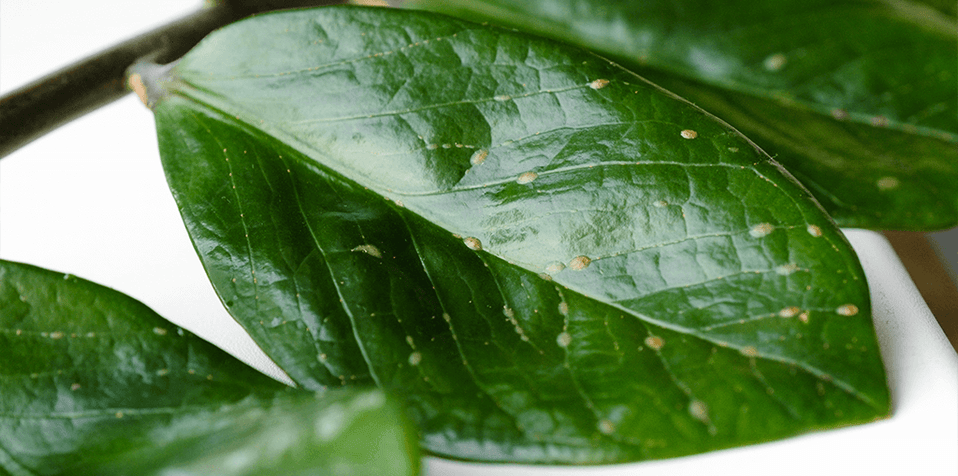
[[548, 258], [95, 383], [857, 98]]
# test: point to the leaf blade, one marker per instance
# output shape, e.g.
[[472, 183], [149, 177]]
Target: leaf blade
[[94, 382], [436, 219]]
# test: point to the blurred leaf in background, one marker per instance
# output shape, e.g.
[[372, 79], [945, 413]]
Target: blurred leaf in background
[[95, 383], [858, 99]]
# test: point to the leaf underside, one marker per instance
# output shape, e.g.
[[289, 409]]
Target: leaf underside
[[859, 99], [550, 259], [95, 383]]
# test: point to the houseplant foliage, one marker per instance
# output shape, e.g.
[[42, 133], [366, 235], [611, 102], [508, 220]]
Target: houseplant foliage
[[857, 99], [547, 258], [96, 383]]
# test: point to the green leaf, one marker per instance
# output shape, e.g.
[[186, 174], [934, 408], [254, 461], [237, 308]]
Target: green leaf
[[95, 383], [856, 171], [342, 432], [858, 98], [944, 6], [549, 258]]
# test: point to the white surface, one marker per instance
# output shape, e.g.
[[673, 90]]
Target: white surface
[[90, 199]]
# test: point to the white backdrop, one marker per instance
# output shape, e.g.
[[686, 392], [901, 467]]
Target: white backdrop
[[90, 199]]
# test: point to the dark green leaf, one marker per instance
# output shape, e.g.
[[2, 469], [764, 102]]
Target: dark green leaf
[[95, 383], [550, 258], [858, 98], [858, 172], [342, 432], [947, 7]]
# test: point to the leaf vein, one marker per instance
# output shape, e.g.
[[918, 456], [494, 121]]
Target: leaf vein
[[332, 276], [239, 205], [452, 330]]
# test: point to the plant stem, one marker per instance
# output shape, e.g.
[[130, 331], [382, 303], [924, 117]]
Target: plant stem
[[49, 102]]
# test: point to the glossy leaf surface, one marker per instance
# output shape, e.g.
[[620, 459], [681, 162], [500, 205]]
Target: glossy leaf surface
[[858, 98], [93, 382], [551, 259]]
